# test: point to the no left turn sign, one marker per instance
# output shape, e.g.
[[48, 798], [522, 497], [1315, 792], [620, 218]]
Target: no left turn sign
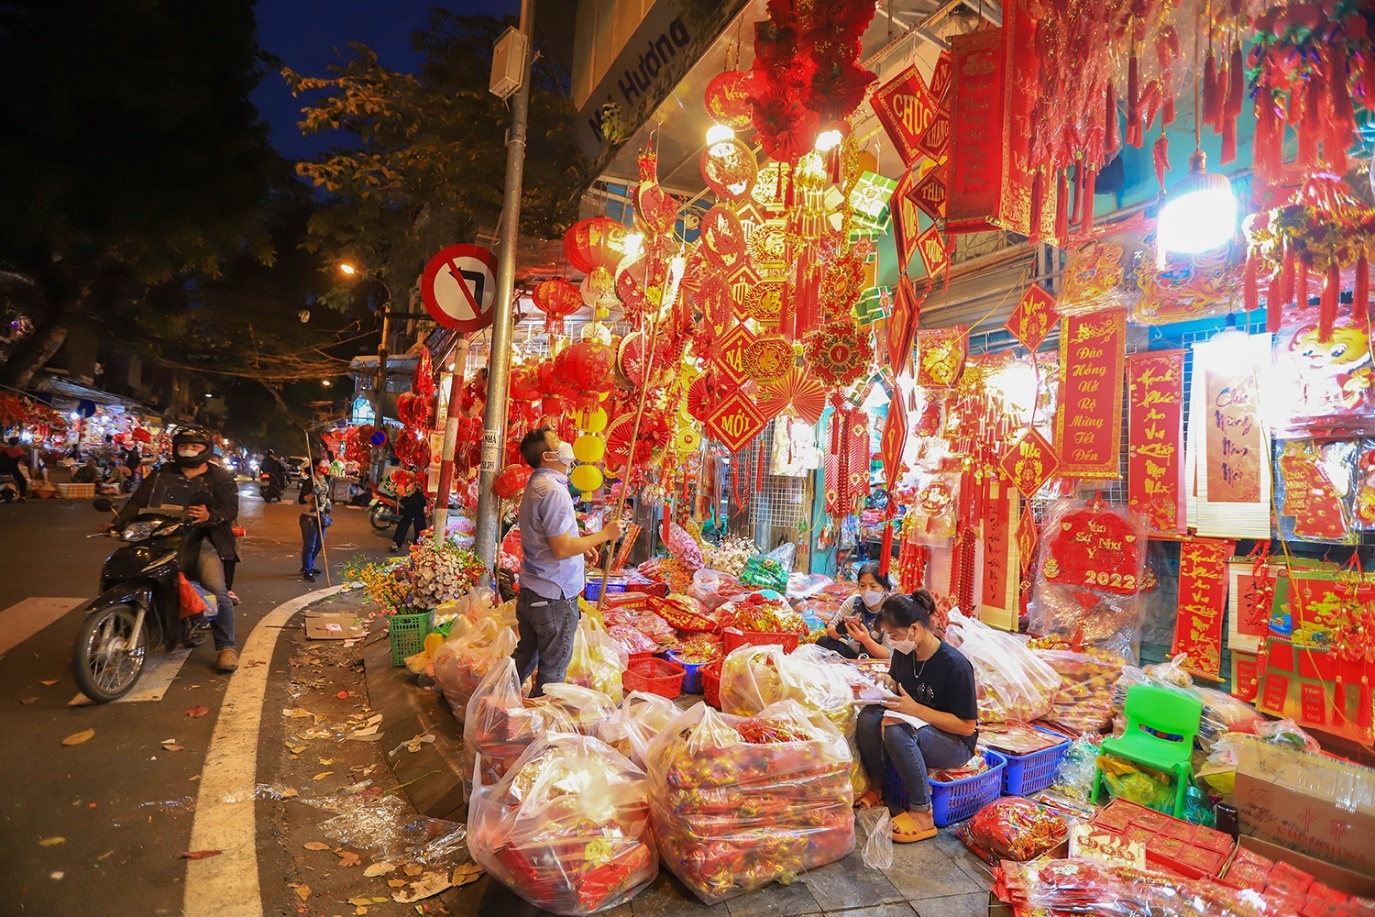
[[459, 287]]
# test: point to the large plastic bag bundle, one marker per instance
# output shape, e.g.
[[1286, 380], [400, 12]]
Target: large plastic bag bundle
[[501, 723], [1013, 828], [752, 679], [633, 727], [597, 661], [712, 587], [586, 708], [1084, 702], [1013, 684], [739, 802], [461, 664], [567, 828]]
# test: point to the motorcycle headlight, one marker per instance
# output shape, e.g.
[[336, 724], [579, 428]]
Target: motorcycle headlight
[[137, 531]]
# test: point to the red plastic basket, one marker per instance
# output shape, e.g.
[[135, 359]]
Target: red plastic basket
[[733, 640], [711, 684], [654, 676]]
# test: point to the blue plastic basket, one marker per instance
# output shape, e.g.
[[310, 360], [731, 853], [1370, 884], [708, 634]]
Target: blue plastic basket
[[692, 681], [956, 800], [592, 587], [1027, 774]]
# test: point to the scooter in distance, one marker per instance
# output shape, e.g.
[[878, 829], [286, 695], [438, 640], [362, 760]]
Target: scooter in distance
[[384, 512], [271, 486], [138, 610]]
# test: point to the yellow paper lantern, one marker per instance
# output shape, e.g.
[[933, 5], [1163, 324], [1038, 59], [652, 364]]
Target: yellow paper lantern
[[589, 449], [593, 421], [586, 478]]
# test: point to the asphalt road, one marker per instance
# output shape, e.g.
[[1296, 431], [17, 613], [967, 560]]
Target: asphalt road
[[121, 804]]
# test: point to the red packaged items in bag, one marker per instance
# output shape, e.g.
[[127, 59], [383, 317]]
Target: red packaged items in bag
[[1014, 828]]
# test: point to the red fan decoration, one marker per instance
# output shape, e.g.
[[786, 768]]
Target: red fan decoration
[[840, 353], [728, 99], [655, 434], [558, 299], [797, 392], [729, 169], [631, 361], [722, 239]]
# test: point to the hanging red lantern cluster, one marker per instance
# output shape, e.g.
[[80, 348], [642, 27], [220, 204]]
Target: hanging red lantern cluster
[[595, 246], [557, 299], [807, 74]]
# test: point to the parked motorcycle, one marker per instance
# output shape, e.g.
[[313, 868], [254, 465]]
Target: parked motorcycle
[[139, 607], [9, 488], [271, 486], [384, 512]]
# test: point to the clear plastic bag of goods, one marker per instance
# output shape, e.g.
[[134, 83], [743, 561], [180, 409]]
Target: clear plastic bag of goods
[[501, 723], [1013, 683], [752, 679], [567, 828], [461, 664], [1074, 776], [586, 708], [597, 661], [1083, 704], [878, 832], [684, 547], [712, 587], [1013, 828], [739, 802], [640, 718]]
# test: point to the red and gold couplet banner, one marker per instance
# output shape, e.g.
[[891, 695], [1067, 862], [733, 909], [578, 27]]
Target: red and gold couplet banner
[[1202, 598], [1234, 444], [1088, 426], [1155, 459]]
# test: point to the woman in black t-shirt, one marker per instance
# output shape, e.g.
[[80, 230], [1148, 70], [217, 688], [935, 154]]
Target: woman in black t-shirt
[[936, 686]]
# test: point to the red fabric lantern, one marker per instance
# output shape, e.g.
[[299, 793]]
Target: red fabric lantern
[[525, 384], [589, 366], [511, 481], [557, 299], [595, 247]]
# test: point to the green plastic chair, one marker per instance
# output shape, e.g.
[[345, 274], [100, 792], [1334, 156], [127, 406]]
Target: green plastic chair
[[1152, 714]]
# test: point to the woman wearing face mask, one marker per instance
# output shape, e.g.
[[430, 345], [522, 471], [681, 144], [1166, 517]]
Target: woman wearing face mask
[[854, 628], [935, 684]]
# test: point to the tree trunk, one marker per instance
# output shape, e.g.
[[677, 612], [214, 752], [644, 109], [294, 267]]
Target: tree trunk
[[33, 352]]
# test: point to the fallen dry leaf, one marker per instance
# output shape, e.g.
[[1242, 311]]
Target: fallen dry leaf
[[77, 738], [349, 859], [396, 883], [412, 869], [302, 891], [379, 869], [322, 775], [200, 854], [468, 872], [48, 682], [428, 885], [290, 791], [360, 900], [174, 747], [326, 762], [27, 700], [316, 845], [296, 749], [52, 841], [198, 710], [359, 911]]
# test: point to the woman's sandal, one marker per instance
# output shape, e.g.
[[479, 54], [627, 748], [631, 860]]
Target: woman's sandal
[[870, 800], [905, 830]]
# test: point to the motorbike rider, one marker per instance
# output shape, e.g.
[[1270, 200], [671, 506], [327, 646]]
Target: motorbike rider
[[210, 498], [271, 465]]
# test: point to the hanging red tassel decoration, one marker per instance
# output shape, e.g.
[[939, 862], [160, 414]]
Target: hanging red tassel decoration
[[1327, 306], [1166, 53], [1269, 142], [885, 559], [1078, 208], [1340, 134], [1274, 303], [1061, 207], [1288, 272], [1160, 152], [1133, 100], [1090, 182], [1212, 104], [1229, 141], [1300, 297], [1360, 301], [1236, 83], [1250, 285], [1114, 141], [1311, 109], [1037, 207], [1151, 99]]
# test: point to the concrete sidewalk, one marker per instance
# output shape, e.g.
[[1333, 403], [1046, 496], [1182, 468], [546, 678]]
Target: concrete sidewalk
[[935, 878]]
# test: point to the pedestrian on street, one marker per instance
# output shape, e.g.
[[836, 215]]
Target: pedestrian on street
[[88, 473], [411, 503], [313, 500], [552, 559], [211, 499]]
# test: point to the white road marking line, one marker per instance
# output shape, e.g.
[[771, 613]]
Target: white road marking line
[[227, 885], [157, 677], [23, 619]]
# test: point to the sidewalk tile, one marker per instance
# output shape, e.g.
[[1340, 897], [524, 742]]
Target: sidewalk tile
[[666, 897], [775, 900], [922, 871], [848, 883], [954, 906], [898, 909]]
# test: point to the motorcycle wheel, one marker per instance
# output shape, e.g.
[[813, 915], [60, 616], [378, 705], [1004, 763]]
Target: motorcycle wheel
[[378, 518], [105, 663]]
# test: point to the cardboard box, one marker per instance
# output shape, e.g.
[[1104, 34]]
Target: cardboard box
[[1343, 880], [324, 625], [1311, 804]]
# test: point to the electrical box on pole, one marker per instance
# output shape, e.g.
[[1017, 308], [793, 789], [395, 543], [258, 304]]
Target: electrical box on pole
[[509, 66]]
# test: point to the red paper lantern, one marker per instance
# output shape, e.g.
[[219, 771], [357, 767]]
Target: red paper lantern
[[525, 384], [595, 247], [511, 481], [557, 299], [589, 366]]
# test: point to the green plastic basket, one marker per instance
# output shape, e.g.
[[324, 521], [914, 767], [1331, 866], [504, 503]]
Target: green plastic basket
[[407, 634]]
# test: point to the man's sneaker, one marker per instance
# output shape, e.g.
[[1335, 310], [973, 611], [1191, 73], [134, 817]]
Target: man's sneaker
[[308, 577], [227, 660]]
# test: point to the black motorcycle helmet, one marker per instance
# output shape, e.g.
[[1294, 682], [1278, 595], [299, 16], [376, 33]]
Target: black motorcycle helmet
[[189, 436]]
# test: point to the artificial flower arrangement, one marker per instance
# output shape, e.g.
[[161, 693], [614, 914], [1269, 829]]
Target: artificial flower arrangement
[[437, 571]]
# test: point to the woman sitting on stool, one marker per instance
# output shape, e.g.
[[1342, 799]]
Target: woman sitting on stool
[[854, 628], [935, 685]]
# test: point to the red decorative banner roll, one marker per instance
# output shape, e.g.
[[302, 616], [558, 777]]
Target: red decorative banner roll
[[1202, 599], [1088, 426], [1155, 458]]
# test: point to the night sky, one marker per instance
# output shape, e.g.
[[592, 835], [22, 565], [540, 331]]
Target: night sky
[[309, 35]]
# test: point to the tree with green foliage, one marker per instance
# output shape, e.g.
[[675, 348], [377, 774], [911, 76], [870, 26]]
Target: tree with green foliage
[[132, 159], [429, 160]]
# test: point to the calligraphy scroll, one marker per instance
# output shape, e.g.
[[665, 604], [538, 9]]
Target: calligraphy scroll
[[906, 109], [1202, 600], [1251, 595], [1002, 568], [1088, 427], [1155, 455]]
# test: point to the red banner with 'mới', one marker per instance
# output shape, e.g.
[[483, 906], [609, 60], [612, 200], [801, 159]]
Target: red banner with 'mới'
[[1155, 455]]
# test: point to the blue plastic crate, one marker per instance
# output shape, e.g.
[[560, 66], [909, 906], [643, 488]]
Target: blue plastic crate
[[956, 800], [692, 681], [592, 588], [1028, 774]]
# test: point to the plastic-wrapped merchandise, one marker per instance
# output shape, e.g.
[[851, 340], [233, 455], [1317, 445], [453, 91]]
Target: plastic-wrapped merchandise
[[585, 707], [1074, 777], [632, 640], [878, 832], [1013, 683], [684, 547], [1222, 713], [567, 828], [764, 572], [597, 661], [1083, 704], [634, 725], [1014, 828], [500, 723], [738, 802], [461, 664], [752, 679], [712, 587]]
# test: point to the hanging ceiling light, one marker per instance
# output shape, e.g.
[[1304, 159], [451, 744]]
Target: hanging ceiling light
[[1200, 212], [828, 140], [719, 133]]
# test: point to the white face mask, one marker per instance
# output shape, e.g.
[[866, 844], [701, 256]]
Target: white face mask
[[903, 646], [872, 597], [564, 453]]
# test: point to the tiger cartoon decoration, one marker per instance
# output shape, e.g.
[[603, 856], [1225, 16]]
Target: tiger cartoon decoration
[[1324, 387]]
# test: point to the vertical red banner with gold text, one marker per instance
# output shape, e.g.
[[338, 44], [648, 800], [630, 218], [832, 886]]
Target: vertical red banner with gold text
[[1155, 439], [1088, 426], [1202, 599]]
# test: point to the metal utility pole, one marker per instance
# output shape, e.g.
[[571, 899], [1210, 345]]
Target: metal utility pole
[[499, 363]]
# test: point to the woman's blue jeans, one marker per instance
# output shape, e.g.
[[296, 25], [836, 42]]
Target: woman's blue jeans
[[910, 750]]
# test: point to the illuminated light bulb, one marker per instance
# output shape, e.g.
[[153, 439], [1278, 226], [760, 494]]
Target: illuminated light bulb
[[719, 133], [1200, 213], [348, 268], [828, 140]]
